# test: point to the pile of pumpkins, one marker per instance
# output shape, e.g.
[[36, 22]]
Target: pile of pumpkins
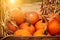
[[31, 24]]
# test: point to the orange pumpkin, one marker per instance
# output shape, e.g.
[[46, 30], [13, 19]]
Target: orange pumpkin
[[22, 32], [32, 16], [28, 27], [39, 33], [54, 26], [10, 26], [17, 15], [40, 25]]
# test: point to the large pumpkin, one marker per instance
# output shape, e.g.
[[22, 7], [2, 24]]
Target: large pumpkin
[[32, 16], [54, 26]]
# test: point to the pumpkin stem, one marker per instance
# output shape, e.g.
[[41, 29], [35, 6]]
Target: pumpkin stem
[[43, 20], [45, 31], [28, 21]]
